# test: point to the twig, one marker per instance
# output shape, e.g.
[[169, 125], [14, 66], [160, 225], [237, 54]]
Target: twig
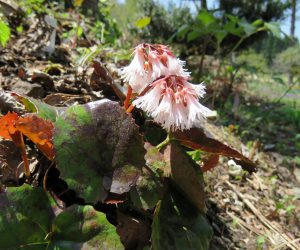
[[283, 244], [263, 219], [45, 176], [287, 91]]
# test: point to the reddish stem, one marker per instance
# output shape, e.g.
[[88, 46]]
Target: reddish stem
[[130, 108], [127, 100], [19, 142]]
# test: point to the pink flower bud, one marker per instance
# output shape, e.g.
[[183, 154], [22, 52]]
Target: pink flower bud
[[150, 62]]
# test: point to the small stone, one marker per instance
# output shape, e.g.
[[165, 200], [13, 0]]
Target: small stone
[[29, 89]]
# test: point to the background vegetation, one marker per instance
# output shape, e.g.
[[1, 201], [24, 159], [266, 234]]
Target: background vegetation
[[250, 67]]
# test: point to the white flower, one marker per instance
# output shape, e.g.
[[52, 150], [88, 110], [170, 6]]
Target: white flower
[[135, 73], [150, 62], [173, 102]]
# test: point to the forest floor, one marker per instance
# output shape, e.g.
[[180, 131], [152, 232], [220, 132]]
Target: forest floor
[[257, 211]]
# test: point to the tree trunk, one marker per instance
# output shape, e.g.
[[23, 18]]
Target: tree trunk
[[292, 32], [293, 18], [203, 5]]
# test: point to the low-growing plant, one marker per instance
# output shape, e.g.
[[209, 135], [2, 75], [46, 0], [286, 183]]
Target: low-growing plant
[[103, 156]]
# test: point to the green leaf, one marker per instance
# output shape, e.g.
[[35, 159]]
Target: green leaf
[[4, 33], [98, 149], [232, 18], [25, 217], [231, 27], [42, 109], [194, 35], [279, 80], [29, 219], [195, 155], [83, 227], [78, 3], [177, 225], [79, 31], [206, 18], [247, 27], [181, 32], [274, 28], [143, 22], [220, 35], [257, 23]]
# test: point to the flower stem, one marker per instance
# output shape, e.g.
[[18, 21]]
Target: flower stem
[[19, 142], [131, 107], [165, 142], [127, 100]]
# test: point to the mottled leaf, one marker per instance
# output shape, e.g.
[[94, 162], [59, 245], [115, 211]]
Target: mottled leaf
[[124, 178], [178, 225], [149, 187], [29, 219], [196, 138], [82, 227], [25, 218], [91, 142]]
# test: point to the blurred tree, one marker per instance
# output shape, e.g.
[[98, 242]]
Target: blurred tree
[[267, 10], [270, 46], [164, 22]]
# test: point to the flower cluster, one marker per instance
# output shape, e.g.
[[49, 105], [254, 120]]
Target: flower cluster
[[150, 62], [164, 91]]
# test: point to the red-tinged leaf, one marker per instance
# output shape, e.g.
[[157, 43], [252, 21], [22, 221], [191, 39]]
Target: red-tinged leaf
[[115, 198], [18, 140], [8, 131], [12, 127], [7, 125], [183, 170], [39, 131], [196, 138], [210, 162]]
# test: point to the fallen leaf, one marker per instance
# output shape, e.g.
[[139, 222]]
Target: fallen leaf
[[39, 131], [7, 125]]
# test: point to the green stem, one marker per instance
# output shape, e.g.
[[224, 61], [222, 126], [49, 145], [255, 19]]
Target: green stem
[[165, 142]]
